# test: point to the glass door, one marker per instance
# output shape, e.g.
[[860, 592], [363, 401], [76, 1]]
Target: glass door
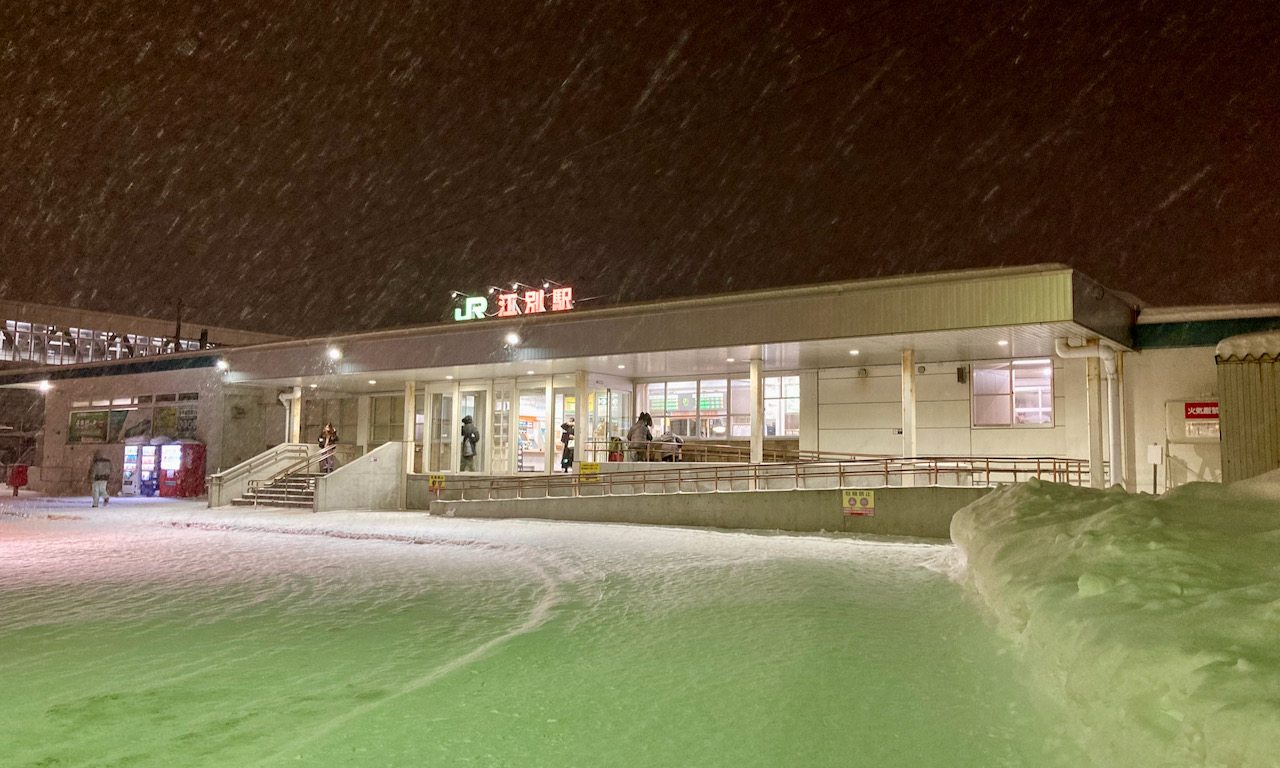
[[475, 406], [501, 435], [531, 449]]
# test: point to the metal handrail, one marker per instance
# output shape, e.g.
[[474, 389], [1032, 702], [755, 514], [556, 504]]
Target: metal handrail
[[300, 467], [982, 471], [262, 459], [693, 449]]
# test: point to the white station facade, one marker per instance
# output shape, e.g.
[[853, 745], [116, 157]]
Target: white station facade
[[1035, 361]]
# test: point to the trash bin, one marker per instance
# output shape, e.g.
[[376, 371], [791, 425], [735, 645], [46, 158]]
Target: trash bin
[[17, 477]]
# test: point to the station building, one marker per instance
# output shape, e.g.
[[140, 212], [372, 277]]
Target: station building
[[1037, 361]]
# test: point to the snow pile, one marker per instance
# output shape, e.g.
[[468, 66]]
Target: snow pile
[[1250, 346], [1151, 624]]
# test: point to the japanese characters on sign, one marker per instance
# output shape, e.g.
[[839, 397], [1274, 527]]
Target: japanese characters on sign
[[435, 483], [1201, 411], [861, 503], [513, 304]]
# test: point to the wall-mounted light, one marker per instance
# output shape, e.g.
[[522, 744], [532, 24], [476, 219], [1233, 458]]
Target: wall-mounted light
[[223, 365], [335, 353], [45, 386], [512, 339]]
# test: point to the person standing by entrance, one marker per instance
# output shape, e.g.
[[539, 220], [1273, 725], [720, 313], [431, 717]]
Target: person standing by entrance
[[328, 439], [566, 437], [99, 474], [470, 436]]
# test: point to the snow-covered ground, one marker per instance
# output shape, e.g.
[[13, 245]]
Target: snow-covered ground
[[1151, 626], [161, 633]]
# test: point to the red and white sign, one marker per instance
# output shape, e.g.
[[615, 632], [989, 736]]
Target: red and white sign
[[1201, 411]]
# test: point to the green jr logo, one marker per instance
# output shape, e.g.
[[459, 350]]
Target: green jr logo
[[474, 310]]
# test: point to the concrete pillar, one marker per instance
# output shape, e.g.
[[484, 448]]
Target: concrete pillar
[[513, 429], [455, 418], [1093, 387], [295, 419], [757, 410], [407, 439], [579, 418], [549, 443], [908, 410]]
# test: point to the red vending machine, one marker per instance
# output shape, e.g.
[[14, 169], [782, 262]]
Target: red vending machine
[[182, 470]]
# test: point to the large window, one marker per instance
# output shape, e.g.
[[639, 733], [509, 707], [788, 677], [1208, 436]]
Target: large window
[[1015, 393], [720, 409], [386, 419]]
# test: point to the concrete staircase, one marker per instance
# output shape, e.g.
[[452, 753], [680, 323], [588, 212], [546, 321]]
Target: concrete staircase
[[296, 491]]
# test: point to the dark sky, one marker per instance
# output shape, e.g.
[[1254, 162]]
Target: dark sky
[[305, 167]]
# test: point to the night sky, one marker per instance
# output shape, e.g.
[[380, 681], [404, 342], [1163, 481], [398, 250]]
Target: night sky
[[309, 167]]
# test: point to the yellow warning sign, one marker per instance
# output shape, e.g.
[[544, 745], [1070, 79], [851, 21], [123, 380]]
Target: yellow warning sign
[[589, 472], [435, 482], [859, 502]]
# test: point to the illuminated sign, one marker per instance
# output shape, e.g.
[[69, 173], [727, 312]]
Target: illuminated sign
[[476, 306], [511, 304]]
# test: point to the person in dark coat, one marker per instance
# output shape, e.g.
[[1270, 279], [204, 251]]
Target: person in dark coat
[[566, 437], [328, 439], [470, 436]]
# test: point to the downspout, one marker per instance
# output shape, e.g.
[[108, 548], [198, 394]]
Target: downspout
[[292, 430], [1107, 355]]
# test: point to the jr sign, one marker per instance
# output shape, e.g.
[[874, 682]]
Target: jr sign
[[474, 309], [511, 304]]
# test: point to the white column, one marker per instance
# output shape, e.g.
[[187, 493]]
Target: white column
[[407, 440], [580, 427], [295, 419], [549, 444], [1093, 385], [455, 440], [757, 410], [513, 426], [908, 409]]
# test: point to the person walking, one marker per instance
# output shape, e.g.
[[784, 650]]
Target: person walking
[[99, 474], [470, 436], [566, 437], [328, 439]]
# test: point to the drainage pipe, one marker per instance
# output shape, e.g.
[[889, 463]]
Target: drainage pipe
[[1093, 348]]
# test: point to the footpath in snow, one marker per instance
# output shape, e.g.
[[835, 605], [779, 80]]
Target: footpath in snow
[[1151, 624]]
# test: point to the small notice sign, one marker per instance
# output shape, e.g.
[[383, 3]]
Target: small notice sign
[[589, 472], [859, 502], [1201, 410], [435, 483]]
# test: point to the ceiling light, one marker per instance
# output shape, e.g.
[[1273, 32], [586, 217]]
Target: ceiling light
[[448, 377], [728, 360], [335, 353], [373, 381], [1003, 343], [529, 372], [223, 365], [313, 386], [513, 338], [621, 367], [853, 351], [45, 386]]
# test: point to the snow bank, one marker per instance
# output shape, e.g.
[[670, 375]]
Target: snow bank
[[1152, 625], [1256, 346]]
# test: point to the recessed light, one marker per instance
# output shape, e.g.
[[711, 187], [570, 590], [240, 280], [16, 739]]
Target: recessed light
[[373, 381], [449, 377], [853, 351], [728, 360], [313, 386], [621, 367], [529, 372], [1003, 343]]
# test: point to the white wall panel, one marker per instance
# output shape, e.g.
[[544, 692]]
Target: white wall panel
[[862, 416]]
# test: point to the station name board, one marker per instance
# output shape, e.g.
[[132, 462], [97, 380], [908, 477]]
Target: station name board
[[513, 304]]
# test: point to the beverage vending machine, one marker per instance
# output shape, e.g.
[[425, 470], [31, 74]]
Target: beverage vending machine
[[138, 474], [182, 470]]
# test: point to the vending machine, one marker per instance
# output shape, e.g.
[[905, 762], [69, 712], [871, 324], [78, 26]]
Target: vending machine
[[148, 470], [182, 470], [129, 475]]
